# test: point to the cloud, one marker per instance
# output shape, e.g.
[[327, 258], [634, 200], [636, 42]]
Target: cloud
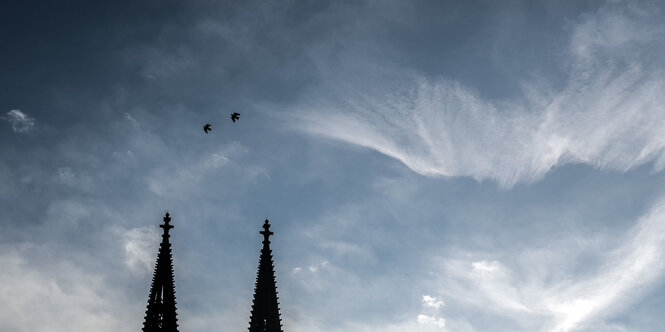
[[485, 266], [141, 249], [615, 29], [133, 121], [178, 179], [66, 175], [609, 114], [431, 302], [562, 301], [506, 140], [58, 295], [429, 320], [431, 316], [21, 122]]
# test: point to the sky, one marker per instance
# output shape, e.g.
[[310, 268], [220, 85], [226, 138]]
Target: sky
[[435, 166]]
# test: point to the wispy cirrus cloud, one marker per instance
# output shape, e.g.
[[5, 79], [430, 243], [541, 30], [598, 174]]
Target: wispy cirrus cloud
[[609, 114], [547, 299], [21, 122], [176, 180]]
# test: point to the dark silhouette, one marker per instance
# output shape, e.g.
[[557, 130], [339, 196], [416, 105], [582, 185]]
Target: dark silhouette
[[207, 128], [235, 116], [160, 315], [265, 308]]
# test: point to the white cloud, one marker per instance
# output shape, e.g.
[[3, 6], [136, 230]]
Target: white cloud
[[558, 299], [614, 29], [58, 295], [485, 266], [312, 268], [609, 115], [432, 302], [429, 320], [21, 122], [431, 315], [141, 248], [180, 179]]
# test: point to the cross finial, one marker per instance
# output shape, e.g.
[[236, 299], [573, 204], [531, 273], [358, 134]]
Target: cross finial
[[166, 226], [266, 232]]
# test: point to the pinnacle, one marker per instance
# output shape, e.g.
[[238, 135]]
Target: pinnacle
[[265, 307], [161, 310]]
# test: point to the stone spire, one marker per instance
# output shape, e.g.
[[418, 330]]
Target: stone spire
[[160, 315], [265, 308]]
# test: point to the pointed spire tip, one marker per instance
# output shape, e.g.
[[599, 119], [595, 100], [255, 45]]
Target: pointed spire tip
[[167, 226]]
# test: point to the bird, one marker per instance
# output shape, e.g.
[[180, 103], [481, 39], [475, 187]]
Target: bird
[[207, 128], [235, 116]]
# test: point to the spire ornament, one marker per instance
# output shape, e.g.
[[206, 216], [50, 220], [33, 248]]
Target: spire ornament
[[160, 315], [265, 308]]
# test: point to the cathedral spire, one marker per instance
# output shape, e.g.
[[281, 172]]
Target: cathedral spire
[[265, 308], [160, 315]]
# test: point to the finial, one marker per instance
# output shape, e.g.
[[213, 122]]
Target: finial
[[166, 226], [266, 232]]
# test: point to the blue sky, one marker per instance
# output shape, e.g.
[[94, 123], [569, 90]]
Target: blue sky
[[427, 166]]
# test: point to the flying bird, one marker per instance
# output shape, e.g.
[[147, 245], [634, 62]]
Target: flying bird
[[207, 128], [235, 116]]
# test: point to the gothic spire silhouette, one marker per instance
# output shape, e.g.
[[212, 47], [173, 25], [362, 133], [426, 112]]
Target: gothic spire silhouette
[[160, 315], [265, 308]]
